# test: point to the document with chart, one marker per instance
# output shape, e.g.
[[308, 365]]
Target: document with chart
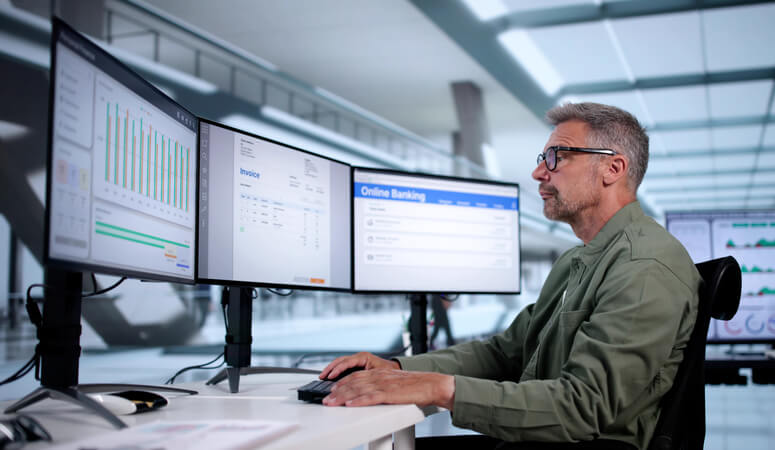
[[122, 189], [271, 214]]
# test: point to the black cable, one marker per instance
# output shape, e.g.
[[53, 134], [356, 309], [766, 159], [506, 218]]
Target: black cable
[[281, 294], [171, 380], [21, 373], [37, 319], [102, 291]]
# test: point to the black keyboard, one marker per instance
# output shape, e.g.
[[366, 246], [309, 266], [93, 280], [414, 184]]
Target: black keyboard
[[315, 391]]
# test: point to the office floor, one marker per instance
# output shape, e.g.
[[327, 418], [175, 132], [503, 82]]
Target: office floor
[[738, 417]]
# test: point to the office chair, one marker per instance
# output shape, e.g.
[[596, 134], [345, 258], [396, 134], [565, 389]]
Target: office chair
[[681, 424]]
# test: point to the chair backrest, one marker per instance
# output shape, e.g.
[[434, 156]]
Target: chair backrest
[[682, 419]]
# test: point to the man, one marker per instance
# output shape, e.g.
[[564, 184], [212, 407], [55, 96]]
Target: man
[[593, 356]]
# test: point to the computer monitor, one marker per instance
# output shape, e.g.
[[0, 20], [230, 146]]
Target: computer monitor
[[270, 214], [748, 236], [120, 191], [419, 233], [122, 169]]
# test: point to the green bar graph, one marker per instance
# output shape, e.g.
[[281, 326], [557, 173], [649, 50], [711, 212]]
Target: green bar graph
[[130, 154]]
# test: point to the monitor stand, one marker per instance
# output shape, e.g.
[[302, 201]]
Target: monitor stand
[[239, 314], [418, 323], [59, 333]]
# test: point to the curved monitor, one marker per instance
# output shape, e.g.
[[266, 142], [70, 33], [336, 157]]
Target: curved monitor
[[271, 214], [121, 168], [418, 233], [748, 236]]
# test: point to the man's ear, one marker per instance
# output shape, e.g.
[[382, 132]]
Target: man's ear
[[615, 168]]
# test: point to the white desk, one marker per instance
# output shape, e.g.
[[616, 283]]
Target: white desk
[[267, 397]]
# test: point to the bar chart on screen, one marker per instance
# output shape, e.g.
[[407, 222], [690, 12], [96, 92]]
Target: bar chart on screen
[[142, 155]]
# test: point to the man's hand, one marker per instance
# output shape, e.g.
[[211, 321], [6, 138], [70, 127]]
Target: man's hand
[[362, 359], [379, 386]]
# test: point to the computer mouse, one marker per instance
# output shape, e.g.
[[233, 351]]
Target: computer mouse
[[144, 400], [115, 404], [346, 372]]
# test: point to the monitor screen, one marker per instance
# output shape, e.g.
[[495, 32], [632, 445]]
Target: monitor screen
[[748, 236], [122, 168], [426, 233], [271, 214]]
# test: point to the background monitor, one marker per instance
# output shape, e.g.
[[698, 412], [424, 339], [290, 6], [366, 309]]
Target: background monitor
[[426, 233], [122, 168], [748, 236], [271, 214]]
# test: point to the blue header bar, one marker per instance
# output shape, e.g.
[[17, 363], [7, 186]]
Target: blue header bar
[[434, 196]]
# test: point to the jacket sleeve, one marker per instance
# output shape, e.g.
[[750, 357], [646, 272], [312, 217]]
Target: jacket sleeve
[[615, 359], [494, 358]]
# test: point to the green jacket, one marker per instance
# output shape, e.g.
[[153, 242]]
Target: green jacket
[[595, 353]]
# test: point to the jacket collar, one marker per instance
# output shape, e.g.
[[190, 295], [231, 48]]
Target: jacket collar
[[615, 225]]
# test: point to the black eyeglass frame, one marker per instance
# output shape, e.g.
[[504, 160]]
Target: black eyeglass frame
[[558, 148]]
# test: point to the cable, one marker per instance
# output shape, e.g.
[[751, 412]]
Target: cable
[[21, 373], [281, 294], [171, 380], [102, 291], [37, 319]]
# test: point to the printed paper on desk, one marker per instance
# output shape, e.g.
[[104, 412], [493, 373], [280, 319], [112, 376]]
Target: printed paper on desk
[[189, 434]]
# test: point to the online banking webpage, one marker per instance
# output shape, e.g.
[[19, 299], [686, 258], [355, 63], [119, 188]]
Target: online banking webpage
[[420, 233], [122, 191], [271, 214]]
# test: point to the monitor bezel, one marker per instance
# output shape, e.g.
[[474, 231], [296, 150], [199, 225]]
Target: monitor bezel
[[714, 322], [59, 26], [246, 283], [436, 177]]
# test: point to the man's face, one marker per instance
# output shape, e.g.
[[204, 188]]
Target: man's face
[[573, 187]]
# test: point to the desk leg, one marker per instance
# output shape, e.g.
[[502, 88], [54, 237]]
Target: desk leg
[[383, 443], [404, 438]]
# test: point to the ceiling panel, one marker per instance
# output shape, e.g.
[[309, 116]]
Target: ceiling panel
[[530, 5], [684, 140], [677, 104], [769, 135], [581, 53], [735, 137], [680, 165], [627, 100], [695, 181], [740, 37], [691, 195], [763, 177], [744, 99], [766, 161], [673, 46]]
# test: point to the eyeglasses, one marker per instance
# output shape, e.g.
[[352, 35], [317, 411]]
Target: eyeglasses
[[550, 155]]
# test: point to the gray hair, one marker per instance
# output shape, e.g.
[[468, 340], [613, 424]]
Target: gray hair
[[610, 127]]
